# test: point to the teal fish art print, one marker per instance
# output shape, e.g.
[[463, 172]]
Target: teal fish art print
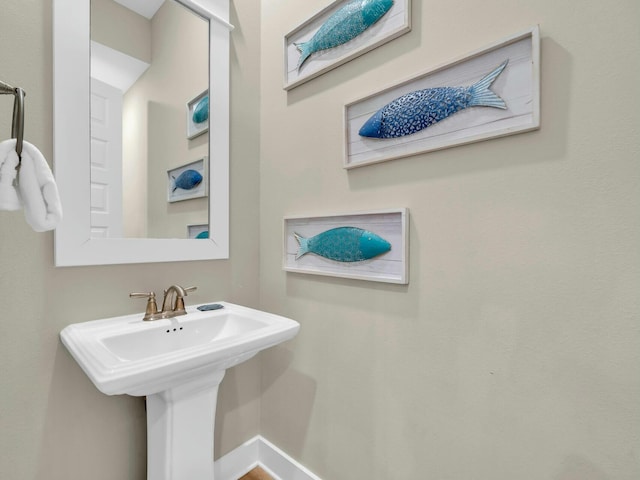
[[417, 110], [344, 25], [187, 180], [201, 111], [343, 244]]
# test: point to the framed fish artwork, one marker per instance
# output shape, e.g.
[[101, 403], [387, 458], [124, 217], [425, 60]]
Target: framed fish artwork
[[186, 182], [489, 93], [365, 245], [198, 231], [198, 115], [341, 32]]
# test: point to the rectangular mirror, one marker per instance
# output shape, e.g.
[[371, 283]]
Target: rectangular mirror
[[142, 177]]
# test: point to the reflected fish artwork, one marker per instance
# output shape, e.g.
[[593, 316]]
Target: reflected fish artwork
[[204, 234], [187, 180], [344, 25], [343, 244], [417, 110], [201, 111]]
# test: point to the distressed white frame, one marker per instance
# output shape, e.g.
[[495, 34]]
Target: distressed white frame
[[518, 85], [396, 22], [73, 242], [390, 224], [201, 166]]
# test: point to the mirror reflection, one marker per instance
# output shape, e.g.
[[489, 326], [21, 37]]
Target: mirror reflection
[[149, 120]]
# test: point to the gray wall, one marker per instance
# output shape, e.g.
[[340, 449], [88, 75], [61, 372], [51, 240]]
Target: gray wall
[[54, 424], [121, 29], [513, 352]]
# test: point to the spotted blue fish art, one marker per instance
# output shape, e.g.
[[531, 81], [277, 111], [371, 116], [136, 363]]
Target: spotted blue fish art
[[417, 110], [343, 244], [187, 180], [344, 25]]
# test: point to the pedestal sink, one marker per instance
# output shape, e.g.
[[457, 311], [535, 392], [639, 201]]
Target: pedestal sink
[[178, 364]]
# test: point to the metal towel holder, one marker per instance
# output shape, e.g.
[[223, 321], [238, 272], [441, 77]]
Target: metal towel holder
[[17, 127]]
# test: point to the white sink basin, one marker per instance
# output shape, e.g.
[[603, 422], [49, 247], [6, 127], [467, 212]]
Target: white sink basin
[[178, 364], [125, 355]]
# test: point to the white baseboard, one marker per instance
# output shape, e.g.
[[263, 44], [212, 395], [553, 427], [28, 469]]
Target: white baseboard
[[260, 452], [237, 462]]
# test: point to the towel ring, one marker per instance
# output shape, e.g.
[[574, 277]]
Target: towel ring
[[17, 126]]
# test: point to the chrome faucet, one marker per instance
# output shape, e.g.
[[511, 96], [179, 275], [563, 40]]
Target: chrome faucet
[[172, 303]]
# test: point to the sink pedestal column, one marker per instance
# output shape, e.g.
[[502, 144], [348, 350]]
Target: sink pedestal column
[[180, 426]]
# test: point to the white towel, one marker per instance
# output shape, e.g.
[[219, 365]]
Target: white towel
[[8, 160], [36, 187]]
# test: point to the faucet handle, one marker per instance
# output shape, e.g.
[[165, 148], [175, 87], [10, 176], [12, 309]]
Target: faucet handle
[[150, 295], [152, 306], [179, 307]]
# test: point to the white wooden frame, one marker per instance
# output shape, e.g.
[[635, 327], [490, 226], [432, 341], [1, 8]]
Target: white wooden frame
[[195, 229], [396, 22], [518, 85], [390, 224], [201, 166], [73, 242]]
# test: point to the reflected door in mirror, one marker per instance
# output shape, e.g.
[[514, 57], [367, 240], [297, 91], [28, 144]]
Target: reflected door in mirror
[[106, 160]]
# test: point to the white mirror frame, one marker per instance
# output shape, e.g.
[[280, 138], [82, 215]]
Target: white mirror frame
[[71, 149]]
